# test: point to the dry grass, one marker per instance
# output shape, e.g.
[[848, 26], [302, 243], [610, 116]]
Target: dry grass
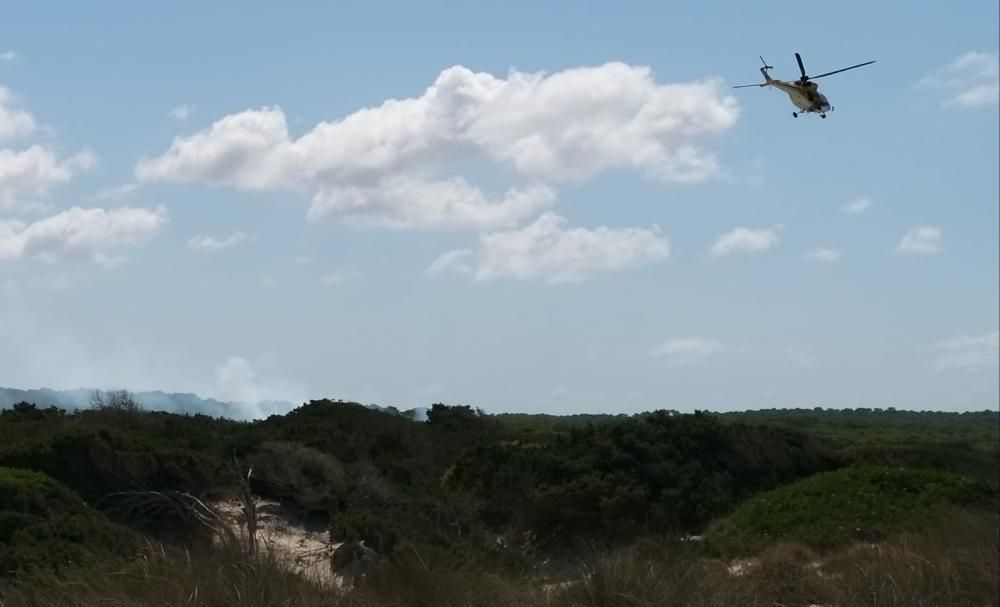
[[159, 576], [425, 579], [955, 565]]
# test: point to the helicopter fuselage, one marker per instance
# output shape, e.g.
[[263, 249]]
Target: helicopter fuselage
[[805, 97]]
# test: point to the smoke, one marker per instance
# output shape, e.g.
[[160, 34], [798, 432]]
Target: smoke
[[49, 367], [238, 383]]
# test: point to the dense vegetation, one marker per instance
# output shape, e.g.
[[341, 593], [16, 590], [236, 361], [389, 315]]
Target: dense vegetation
[[45, 525], [966, 443], [475, 495], [657, 473], [857, 503]]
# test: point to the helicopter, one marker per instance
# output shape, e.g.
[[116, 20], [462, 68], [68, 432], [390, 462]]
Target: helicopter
[[803, 92]]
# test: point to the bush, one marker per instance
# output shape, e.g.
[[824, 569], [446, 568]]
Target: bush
[[858, 503], [97, 461], [380, 531], [312, 479], [44, 525]]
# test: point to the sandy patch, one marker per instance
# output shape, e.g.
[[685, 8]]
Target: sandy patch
[[306, 552]]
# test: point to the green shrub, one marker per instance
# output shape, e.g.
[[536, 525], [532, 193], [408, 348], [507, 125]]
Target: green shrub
[[858, 503], [97, 461], [312, 479], [379, 530], [44, 525]]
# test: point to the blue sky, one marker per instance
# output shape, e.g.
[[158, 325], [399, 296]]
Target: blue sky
[[554, 207]]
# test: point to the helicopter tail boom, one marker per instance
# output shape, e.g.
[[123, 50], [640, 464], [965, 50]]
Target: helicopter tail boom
[[767, 79]]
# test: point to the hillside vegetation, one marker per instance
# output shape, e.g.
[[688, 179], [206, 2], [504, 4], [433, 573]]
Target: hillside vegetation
[[44, 525], [857, 503], [468, 508]]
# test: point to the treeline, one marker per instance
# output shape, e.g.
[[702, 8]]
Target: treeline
[[652, 474], [966, 443], [462, 478]]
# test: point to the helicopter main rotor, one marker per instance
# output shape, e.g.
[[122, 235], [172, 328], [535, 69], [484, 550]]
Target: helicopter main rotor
[[805, 79]]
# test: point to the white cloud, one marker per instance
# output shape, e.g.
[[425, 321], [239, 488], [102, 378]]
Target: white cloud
[[182, 112], [969, 352], [744, 240], [249, 150], [921, 239], [406, 203], [970, 81], [545, 250], [116, 192], [211, 244], [8, 56], [459, 261], [389, 164], [857, 206], [79, 234], [34, 170], [14, 121], [688, 350], [824, 254]]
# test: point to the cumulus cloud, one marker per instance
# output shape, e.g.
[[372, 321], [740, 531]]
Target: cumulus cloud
[[182, 112], [971, 352], [744, 240], [406, 203], [390, 164], [249, 150], [14, 121], [34, 170], [79, 234], [824, 254], [8, 56], [970, 81], [210, 244], [688, 350], [921, 239], [546, 250], [857, 206]]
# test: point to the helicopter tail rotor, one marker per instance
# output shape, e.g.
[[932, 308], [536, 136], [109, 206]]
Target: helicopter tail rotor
[[763, 71]]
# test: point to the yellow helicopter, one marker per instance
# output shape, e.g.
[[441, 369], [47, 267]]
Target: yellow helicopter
[[803, 92]]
